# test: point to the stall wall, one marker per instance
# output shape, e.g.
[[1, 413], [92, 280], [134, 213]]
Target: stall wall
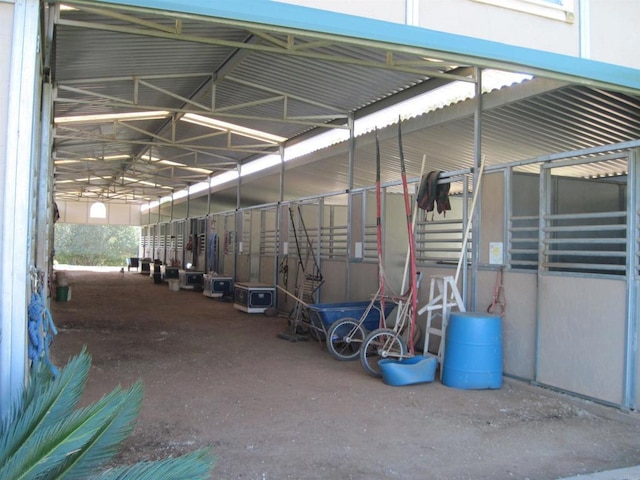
[[334, 288], [364, 281], [519, 324], [492, 215], [395, 244], [582, 336]]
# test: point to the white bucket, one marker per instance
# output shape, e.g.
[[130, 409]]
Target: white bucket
[[174, 284]]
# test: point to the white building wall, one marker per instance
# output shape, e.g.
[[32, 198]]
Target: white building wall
[[603, 30], [117, 214], [19, 78], [614, 31], [6, 36]]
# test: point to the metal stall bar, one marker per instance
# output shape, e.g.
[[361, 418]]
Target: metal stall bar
[[475, 212], [544, 206], [279, 254], [44, 211], [352, 155], [633, 282]]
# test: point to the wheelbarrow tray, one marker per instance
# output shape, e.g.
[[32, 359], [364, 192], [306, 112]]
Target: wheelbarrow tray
[[332, 312]]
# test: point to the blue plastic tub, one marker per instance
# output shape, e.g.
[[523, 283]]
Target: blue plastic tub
[[408, 371], [331, 312]]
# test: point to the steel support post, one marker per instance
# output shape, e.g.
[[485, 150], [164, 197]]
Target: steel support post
[[633, 281], [352, 156], [476, 214], [16, 188]]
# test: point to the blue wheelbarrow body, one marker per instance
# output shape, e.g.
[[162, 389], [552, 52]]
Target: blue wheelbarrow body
[[332, 312]]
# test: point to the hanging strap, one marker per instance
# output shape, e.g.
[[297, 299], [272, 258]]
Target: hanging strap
[[41, 327], [317, 274]]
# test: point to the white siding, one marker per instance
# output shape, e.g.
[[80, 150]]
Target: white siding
[[117, 214], [610, 26]]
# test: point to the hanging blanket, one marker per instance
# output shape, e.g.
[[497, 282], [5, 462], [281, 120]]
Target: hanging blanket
[[432, 194]]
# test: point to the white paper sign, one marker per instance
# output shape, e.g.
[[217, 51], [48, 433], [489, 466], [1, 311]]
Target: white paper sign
[[358, 252], [495, 253]]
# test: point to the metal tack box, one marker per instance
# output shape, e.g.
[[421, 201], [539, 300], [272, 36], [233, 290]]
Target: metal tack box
[[190, 280], [217, 285], [254, 297], [169, 272]]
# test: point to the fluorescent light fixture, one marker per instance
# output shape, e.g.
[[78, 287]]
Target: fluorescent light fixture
[[66, 162], [69, 161], [58, 182], [232, 128], [111, 157], [198, 170], [112, 117], [87, 178], [171, 163]]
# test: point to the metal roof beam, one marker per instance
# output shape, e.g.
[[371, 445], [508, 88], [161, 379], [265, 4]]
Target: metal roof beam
[[205, 149], [420, 66]]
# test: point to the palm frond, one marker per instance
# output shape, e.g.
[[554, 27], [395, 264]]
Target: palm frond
[[106, 441], [50, 447], [45, 437], [47, 402], [193, 466]]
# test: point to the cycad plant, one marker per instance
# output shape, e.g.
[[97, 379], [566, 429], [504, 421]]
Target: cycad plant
[[45, 436]]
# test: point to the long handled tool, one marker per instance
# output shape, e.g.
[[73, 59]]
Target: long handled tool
[[379, 231], [407, 258], [412, 253]]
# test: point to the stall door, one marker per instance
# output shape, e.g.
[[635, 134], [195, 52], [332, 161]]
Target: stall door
[[582, 281]]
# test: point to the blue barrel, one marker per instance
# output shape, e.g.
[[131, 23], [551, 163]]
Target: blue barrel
[[473, 351]]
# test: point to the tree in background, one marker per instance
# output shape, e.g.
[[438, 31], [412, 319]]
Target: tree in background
[[95, 245]]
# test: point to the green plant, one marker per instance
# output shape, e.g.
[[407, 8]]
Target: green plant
[[45, 436]]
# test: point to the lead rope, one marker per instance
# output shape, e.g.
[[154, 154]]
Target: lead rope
[[40, 325]]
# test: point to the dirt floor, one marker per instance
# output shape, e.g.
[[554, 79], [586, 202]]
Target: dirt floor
[[276, 410]]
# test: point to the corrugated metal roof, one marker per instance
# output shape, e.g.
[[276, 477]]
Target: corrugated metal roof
[[121, 60]]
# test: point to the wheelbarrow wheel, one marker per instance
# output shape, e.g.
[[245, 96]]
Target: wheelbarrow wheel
[[344, 339], [380, 344]]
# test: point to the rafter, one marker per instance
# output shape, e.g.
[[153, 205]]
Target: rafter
[[423, 65]]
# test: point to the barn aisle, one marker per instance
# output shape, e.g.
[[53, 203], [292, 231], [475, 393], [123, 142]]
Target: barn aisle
[[278, 410]]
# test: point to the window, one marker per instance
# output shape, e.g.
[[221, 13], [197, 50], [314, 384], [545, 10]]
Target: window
[[98, 210], [562, 10]]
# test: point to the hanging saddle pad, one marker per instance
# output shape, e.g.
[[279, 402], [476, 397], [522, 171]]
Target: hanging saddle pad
[[431, 195]]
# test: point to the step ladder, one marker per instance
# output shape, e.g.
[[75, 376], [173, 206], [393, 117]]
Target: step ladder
[[443, 297]]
